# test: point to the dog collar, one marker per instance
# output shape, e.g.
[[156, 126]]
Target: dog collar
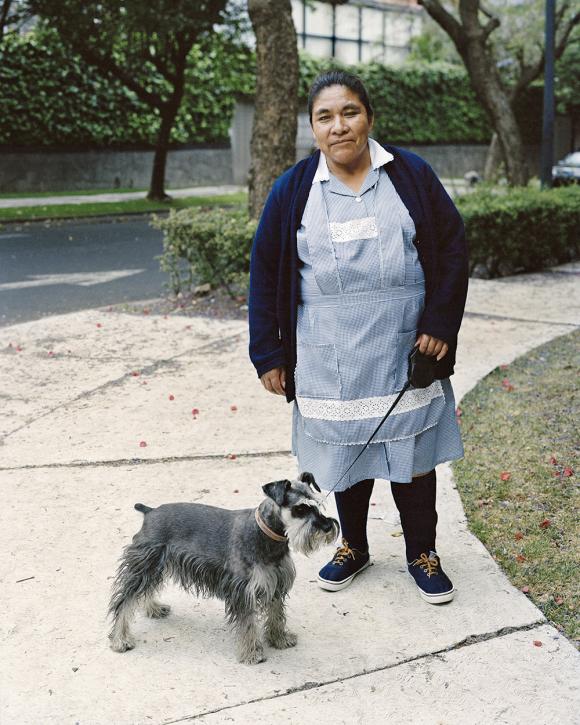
[[267, 530]]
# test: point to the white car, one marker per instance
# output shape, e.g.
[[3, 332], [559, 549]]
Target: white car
[[567, 171]]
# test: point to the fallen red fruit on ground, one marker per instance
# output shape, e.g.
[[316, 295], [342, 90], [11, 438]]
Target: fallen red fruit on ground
[[537, 643], [520, 558], [172, 397], [525, 589], [233, 408], [568, 472], [231, 456], [195, 411], [545, 523], [143, 444], [505, 476], [559, 600], [553, 461], [518, 536]]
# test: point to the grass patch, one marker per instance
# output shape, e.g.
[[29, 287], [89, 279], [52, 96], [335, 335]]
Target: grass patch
[[134, 206], [84, 192], [522, 420]]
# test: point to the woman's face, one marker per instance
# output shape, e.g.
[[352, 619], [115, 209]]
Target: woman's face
[[340, 124]]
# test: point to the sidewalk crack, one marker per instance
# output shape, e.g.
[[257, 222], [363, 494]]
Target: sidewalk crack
[[151, 368], [437, 654]]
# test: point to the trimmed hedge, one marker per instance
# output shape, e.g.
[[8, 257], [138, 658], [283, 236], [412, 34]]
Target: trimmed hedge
[[203, 246], [508, 231], [415, 103], [521, 229], [52, 98]]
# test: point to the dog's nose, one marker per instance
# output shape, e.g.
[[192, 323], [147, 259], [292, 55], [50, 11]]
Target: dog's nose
[[327, 525]]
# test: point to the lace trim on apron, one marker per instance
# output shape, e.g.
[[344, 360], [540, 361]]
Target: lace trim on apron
[[363, 408], [365, 228]]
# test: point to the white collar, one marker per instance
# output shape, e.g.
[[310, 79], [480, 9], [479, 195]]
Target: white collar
[[379, 157]]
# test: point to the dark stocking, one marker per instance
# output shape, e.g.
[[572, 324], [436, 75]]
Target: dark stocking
[[353, 509], [416, 504]]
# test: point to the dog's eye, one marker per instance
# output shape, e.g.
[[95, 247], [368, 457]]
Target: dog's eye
[[301, 510]]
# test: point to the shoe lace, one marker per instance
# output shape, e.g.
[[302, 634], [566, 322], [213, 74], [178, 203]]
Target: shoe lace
[[342, 553], [428, 564]]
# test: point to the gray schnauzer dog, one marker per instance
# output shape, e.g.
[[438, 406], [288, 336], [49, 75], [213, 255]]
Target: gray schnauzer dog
[[239, 556]]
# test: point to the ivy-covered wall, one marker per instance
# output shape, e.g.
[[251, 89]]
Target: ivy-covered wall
[[52, 99]]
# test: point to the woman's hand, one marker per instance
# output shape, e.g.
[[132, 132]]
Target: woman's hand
[[430, 345], [275, 381]]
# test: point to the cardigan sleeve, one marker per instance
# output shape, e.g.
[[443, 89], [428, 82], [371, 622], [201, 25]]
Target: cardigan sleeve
[[444, 310], [266, 350]]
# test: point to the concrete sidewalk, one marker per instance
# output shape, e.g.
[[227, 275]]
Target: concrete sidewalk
[[81, 392], [453, 186]]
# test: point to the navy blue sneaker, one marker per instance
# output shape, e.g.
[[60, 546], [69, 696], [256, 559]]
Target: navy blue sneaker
[[343, 568], [433, 583]]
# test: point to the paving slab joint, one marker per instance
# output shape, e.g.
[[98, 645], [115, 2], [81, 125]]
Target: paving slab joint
[[310, 685]]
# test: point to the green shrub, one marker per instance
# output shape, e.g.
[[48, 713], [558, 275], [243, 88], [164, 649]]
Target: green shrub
[[51, 98], [521, 229], [414, 103], [203, 246]]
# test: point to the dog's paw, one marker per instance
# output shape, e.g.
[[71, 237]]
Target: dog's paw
[[283, 640], [118, 644], [253, 657], [158, 611]]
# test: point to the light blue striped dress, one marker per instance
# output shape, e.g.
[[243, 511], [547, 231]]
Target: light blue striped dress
[[362, 295]]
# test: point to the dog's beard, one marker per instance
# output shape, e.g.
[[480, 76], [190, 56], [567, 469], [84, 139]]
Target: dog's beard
[[306, 539]]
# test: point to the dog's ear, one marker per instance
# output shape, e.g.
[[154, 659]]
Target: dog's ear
[[277, 490], [309, 479]]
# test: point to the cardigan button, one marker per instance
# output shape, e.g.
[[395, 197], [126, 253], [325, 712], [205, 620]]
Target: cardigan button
[[358, 198]]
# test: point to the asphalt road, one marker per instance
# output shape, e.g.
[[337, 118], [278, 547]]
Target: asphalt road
[[68, 266]]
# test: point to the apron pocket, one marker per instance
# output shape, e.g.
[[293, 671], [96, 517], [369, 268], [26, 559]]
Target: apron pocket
[[405, 342], [316, 372]]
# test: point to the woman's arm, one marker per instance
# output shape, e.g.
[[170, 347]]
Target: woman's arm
[[266, 350], [444, 310]]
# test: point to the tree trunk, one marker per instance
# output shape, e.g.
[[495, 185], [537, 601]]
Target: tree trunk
[[273, 144], [493, 160], [493, 96], [157, 185], [471, 39]]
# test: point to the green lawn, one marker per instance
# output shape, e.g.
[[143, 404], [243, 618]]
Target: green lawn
[[86, 192], [519, 478], [136, 206]]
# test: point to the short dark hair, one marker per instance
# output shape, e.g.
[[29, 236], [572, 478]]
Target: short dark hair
[[339, 78]]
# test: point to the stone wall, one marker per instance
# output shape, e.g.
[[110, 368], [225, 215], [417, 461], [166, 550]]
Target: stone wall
[[24, 172], [28, 171]]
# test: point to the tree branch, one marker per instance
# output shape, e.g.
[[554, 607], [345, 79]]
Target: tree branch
[[110, 68], [447, 21]]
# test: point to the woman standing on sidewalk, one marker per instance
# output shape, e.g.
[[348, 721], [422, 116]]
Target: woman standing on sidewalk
[[360, 255]]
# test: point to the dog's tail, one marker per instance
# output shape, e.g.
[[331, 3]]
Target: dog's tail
[[144, 509]]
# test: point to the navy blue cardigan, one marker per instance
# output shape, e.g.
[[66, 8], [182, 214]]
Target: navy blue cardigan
[[274, 267]]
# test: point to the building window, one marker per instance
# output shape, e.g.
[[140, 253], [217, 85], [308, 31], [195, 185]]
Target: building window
[[357, 32]]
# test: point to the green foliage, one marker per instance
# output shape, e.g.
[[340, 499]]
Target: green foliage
[[433, 45], [50, 97], [521, 229], [568, 78], [527, 426], [415, 103], [203, 246]]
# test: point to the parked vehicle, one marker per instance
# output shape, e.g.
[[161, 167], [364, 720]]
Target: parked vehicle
[[567, 170]]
